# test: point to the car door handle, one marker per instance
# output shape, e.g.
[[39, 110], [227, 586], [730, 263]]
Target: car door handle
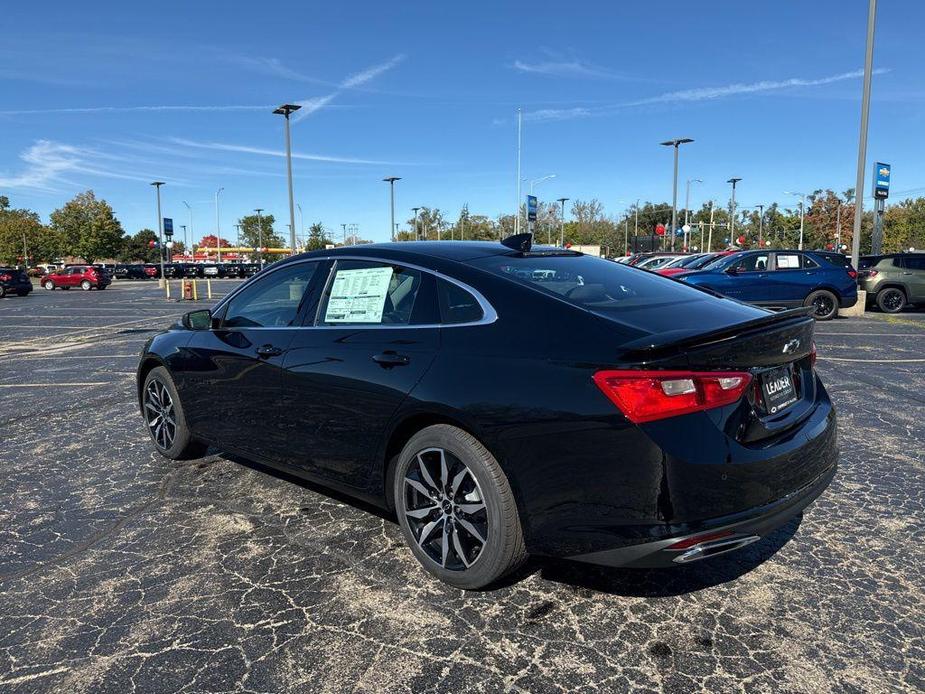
[[388, 359], [268, 351]]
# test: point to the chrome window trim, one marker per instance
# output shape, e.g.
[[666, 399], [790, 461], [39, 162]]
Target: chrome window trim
[[489, 315]]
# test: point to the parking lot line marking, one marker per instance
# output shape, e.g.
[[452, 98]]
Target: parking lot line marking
[[870, 334], [84, 356], [876, 361], [55, 385]]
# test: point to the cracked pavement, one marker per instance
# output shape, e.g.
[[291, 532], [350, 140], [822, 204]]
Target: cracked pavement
[[122, 571]]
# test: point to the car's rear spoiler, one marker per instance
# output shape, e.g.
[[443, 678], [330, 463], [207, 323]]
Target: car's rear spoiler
[[673, 341]]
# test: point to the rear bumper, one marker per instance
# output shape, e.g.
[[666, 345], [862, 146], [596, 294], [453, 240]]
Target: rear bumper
[[736, 531], [15, 287], [847, 301]]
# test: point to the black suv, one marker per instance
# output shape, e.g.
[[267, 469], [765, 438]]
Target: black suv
[[13, 280], [893, 281]]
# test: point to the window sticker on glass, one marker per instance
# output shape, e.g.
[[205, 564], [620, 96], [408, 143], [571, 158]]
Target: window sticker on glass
[[787, 262], [358, 296]]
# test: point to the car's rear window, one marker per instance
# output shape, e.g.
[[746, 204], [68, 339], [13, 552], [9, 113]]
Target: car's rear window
[[601, 286], [836, 259]]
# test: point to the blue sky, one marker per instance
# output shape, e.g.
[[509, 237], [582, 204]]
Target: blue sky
[[111, 96]]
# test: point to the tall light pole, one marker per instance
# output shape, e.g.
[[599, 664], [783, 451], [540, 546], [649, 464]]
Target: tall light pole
[[862, 138], [760, 222], [185, 237], [687, 209], [562, 202], [732, 209], [190, 210], [344, 227], [676, 143], [391, 181], [301, 226], [537, 181], [160, 230], [285, 110], [218, 227], [802, 197], [520, 123], [260, 234], [710, 234], [417, 236]]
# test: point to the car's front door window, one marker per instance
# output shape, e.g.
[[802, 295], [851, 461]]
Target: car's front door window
[[371, 293], [273, 301]]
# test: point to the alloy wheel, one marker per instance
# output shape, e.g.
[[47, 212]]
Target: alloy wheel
[[160, 414], [823, 305], [892, 300], [445, 509]]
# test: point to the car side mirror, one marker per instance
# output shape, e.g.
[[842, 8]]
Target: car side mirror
[[197, 320]]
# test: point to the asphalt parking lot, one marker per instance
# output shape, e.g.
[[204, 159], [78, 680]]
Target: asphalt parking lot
[[123, 571]]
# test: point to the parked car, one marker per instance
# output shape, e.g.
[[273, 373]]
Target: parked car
[[782, 279], [609, 415], [691, 262], [14, 281], [133, 271], [893, 281], [86, 277], [656, 261], [638, 258]]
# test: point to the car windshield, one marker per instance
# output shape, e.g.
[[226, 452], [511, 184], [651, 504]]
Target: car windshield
[[684, 261]]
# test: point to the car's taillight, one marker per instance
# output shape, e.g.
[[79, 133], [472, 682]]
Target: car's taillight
[[872, 273], [5, 278], [852, 273], [645, 396]]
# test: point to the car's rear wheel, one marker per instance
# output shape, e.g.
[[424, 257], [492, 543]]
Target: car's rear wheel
[[891, 300], [165, 420], [824, 304], [86, 285], [456, 508], [49, 285], [22, 292]]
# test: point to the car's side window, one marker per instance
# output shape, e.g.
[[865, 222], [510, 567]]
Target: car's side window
[[457, 305], [897, 261], [915, 262], [809, 263], [363, 292], [273, 300], [752, 263], [788, 261]]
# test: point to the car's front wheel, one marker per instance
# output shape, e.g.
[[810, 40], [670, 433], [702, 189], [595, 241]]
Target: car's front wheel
[[824, 304], [456, 508], [49, 285], [891, 300], [165, 420]]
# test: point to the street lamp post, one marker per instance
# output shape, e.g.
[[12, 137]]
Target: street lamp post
[[160, 230], [520, 123], [260, 234], [687, 209], [562, 202], [676, 143], [301, 233], [285, 110], [802, 197], [391, 181], [218, 228], [732, 210], [760, 222], [417, 236], [190, 232], [862, 138], [185, 240]]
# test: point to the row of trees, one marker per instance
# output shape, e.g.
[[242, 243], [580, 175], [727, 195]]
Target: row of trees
[[828, 223], [86, 227]]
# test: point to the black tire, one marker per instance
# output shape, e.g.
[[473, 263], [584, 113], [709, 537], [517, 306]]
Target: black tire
[[22, 292], [177, 444], [86, 285], [824, 304], [49, 285], [102, 286], [2, 291], [891, 300], [65, 288], [481, 484]]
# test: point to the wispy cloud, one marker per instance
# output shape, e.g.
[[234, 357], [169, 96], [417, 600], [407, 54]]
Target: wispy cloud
[[697, 94], [551, 114], [139, 109], [246, 149], [706, 93], [566, 68], [364, 76], [310, 106], [273, 67]]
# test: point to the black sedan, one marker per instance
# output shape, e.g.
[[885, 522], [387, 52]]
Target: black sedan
[[505, 400]]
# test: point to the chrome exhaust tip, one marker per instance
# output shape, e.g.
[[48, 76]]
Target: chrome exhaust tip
[[712, 548]]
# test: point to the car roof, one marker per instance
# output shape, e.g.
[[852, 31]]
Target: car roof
[[458, 251]]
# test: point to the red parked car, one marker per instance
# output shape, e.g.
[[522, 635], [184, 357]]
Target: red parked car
[[84, 276]]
